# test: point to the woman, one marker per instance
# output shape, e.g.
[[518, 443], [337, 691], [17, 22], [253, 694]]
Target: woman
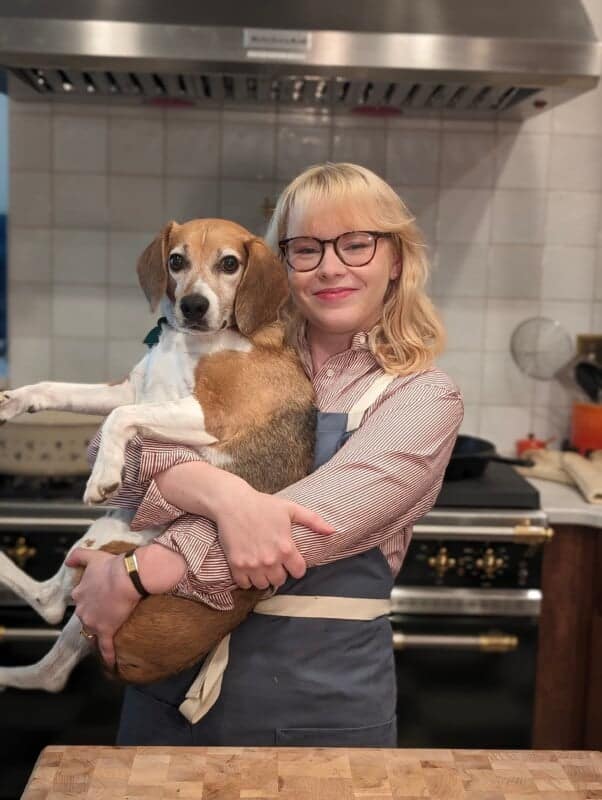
[[368, 336]]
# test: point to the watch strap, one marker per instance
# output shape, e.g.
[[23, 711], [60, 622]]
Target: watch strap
[[131, 567]]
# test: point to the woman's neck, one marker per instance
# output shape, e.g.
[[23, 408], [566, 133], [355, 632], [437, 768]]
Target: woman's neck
[[324, 345]]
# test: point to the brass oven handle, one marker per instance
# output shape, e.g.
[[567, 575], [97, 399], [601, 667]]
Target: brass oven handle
[[28, 634], [483, 643]]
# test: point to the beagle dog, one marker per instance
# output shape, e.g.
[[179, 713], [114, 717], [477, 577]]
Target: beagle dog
[[222, 380]]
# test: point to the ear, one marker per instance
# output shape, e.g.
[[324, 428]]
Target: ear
[[152, 269], [262, 290]]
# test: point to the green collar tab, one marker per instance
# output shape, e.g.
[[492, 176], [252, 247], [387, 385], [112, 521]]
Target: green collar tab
[[152, 337]]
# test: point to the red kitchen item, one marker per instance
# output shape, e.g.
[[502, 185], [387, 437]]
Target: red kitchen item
[[531, 443], [586, 426]]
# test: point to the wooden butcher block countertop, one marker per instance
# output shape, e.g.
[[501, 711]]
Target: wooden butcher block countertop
[[224, 773]]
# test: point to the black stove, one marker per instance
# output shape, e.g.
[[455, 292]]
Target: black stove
[[500, 486]]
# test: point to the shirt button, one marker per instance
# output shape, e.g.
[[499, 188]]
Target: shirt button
[[362, 338], [329, 373]]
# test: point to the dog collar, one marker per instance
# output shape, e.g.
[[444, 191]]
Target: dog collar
[[152, 337]]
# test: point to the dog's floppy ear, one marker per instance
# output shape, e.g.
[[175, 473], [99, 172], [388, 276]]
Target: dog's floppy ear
[[151, 267], [262, 290]]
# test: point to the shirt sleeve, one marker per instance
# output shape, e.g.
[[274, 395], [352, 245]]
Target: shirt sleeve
[[386, 476]]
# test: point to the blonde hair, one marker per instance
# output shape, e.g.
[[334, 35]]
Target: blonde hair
[[409, 335]]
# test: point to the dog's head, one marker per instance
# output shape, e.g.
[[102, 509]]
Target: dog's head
[[215, 274]]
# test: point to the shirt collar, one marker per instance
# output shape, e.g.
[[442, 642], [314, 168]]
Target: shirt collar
[[359, 341]]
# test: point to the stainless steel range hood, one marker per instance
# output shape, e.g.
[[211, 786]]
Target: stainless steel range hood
[[456, 57]]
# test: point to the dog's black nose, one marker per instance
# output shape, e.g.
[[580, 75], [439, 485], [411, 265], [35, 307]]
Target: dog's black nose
[[194, 306]]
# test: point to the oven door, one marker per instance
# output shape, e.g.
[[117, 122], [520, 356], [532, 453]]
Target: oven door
[[85, 712], [465, 679]]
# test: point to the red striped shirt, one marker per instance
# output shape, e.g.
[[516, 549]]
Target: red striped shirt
[[385, 478]]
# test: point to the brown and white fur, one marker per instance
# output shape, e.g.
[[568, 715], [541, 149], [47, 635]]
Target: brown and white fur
[[220, 380]]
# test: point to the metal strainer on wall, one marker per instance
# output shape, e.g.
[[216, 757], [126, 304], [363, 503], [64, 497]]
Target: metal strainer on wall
[[541, 347]]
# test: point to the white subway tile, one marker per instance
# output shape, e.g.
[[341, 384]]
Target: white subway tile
[[518, 217], [29, 310], [582, 115], [573, 315], [124, 250], [568, 273], [537, 123], [244, 202], [502, 318], [299, 147], [79, 310], [463, 318], [29, 198], [576, 164], [80, 143], [598, 277], [136, 146], [365, 146], [136, 203], [464, 215], [597, 318], [423, 202], [521, 162], [460, 270], [28, 359], [551, 422], [192, 149], [503, 425], [503, 381], [465, 369], [190, 199], [515, 271], [470, 422], [29, 255], [413, 157], [572, 218], [80, 257], [129, 316], [467, 159], [80, 201], [123, 355], [29, 142], [248, 151], [79, 359]]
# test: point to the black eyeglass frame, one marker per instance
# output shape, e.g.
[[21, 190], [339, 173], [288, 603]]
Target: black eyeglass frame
[[282, 244]]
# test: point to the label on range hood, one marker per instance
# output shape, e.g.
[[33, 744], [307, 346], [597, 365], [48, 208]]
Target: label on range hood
[[276, 40]]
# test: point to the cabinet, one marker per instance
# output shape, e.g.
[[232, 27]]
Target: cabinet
[[568, 701]]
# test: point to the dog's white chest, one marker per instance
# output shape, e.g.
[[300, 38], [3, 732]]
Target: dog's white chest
[[169, 368]]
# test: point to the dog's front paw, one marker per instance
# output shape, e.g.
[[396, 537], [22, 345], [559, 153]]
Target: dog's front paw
[[102, 486], [14, 403]]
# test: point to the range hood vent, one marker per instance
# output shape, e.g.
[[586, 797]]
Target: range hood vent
[[454, 57]]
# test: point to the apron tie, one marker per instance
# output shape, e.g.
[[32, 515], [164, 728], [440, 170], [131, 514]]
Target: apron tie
[[203, 692]]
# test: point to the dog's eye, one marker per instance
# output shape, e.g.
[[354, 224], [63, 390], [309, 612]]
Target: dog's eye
[[229, 264], [176, 261]]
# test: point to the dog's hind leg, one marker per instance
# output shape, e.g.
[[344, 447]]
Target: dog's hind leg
[[51, 673]]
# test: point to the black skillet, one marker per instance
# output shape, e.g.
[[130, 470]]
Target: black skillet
[[471, 455]]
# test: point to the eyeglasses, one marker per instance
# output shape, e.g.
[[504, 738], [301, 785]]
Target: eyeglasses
[[354, 249]]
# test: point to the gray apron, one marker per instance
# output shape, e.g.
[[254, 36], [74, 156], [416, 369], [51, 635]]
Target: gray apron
[[291, 681]]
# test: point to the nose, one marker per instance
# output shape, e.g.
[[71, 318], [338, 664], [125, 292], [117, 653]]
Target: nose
[[194, 307], [330, 263]]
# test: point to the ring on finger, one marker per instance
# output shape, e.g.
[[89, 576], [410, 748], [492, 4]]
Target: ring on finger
[[86, 634]]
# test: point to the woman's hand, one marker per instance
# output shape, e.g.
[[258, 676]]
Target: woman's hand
[[255, 533], [104, 598]]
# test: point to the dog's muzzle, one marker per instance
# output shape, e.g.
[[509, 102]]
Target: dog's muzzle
[[193, 308]]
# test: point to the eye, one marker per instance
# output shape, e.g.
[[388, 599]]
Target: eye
[[229, 264], [176, 262]]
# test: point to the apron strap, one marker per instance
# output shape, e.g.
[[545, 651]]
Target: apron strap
[[203, 692], [354, 417]]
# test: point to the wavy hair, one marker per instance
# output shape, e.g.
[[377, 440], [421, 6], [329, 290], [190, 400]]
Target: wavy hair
[[410, 334]]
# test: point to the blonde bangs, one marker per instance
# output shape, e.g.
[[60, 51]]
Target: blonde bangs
[[410, 334]]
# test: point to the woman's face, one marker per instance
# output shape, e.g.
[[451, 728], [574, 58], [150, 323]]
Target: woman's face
[[335, 298]]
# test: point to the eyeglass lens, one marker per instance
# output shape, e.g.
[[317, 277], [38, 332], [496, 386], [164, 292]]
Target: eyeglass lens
[[355, 249]]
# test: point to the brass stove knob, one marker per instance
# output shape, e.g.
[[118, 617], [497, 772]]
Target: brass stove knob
[[21, 552], [490, 563], [441, 562]]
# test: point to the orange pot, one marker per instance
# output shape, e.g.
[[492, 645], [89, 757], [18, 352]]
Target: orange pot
[[586, 426]]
